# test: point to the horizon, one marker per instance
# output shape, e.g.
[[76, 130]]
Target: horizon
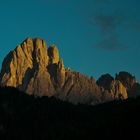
[[93, 37]]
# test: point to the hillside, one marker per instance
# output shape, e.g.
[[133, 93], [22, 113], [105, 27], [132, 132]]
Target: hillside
[[25, 117]]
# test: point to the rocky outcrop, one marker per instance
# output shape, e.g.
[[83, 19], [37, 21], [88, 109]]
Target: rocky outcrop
[[82, 88], [127, 79], [118, 90], [112, 89], [134, 91], [37, 70], [105, 81], [25, 68], [16, 64], [130, 82], [60, 73], [53, 54]]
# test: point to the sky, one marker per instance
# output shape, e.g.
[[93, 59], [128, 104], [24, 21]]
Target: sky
[[94, 37]]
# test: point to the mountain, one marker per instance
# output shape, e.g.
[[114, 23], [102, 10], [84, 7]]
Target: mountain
[[25, 117], [37, 70]]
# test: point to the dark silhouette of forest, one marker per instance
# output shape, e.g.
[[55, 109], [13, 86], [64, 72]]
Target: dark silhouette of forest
[[26, 117]]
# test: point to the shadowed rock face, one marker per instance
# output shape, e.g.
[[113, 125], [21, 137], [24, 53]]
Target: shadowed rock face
[[38, 70], [112, 89], [105, 81], [134, 91], [127, 79], [130, 82]]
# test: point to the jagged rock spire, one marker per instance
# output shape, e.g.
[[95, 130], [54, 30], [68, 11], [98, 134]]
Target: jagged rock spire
[[38, 70], [61, 73], [40, 53], [53, 54]]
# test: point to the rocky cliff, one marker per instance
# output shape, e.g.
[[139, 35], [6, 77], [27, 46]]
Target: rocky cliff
[[38, 70]]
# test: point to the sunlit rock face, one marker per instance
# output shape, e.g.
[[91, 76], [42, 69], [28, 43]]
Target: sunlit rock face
[[16, 63], [127, 79], [37, 70], [130, 82], [118, 90], [112, 89], [53, 54]]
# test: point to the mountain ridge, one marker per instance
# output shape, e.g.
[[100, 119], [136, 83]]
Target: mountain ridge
[[37, 70]]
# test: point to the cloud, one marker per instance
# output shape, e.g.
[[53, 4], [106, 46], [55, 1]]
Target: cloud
[[111, 43], [108, 25], [115, 24]]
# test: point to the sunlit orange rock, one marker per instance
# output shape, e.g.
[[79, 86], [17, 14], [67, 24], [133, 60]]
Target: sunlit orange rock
[[37, 70]]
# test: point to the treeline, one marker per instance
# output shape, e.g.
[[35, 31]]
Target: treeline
[[26, 117]]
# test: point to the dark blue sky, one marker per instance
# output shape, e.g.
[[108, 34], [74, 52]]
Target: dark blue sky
[[93, 36]]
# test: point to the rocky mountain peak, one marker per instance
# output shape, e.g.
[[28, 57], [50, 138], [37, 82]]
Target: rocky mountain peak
[[37, 70], [53, 54], [127, 79]]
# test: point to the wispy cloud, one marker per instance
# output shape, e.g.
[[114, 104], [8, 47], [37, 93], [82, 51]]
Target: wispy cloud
[[111, 43], [108, 25]]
